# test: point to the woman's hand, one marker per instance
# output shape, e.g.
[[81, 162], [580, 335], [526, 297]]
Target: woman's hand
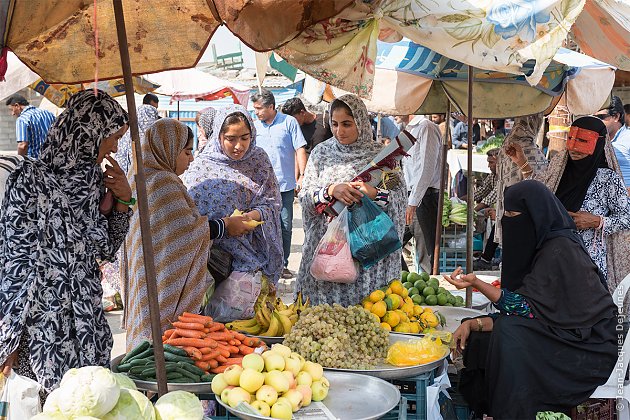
[[8, 364], [515, 152], [461, 281], [460, 336], [365, 188], [235, 227], [116, 180], [345, 193], [585, 220]]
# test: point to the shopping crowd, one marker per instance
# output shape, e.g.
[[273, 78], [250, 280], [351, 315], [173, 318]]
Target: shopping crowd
[[68, 223]]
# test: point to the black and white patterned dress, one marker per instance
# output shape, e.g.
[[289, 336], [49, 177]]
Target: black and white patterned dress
[[52, 236], [607, 197]]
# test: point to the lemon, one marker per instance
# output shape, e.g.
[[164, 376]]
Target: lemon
[[429, 319], [391, 318], [405, 293], [368, 305], [404, 327], [388, 291], [415, 328], [386, 326], [417, 310], [376, 295], [379, 308], [397, 287]]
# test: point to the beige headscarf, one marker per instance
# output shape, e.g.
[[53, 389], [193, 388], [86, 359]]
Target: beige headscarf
[[181, 237], [524, 133]]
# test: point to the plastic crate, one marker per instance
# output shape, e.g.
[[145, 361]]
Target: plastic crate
[[413, 404], [595, 409]]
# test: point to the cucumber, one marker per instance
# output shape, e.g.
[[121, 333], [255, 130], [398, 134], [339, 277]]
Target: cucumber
[[175, 350], [151, 370], [139, 349], [140, 362], [174, 375], [123, 368], [191, 368], [137, 370], [148, 352], [175, 358], [186, 374], [208, 377], [179, 381]]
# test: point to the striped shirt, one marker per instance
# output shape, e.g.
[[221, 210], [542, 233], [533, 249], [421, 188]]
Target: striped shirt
[[422, 167], [32, 126]]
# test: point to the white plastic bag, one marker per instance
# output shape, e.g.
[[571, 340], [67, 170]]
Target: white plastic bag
[[20, 398], [235, 296], [440, 384], [333, 257]]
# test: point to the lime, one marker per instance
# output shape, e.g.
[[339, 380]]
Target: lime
[[459, 298], [414, 291], [417, 299], [433, 283], [407, 285], [413, 277], [442, 299], [420, 285], [449, 304], [425, 276], [441, 290], [403, 276], [428, 291], [431, 300], [451, 299]]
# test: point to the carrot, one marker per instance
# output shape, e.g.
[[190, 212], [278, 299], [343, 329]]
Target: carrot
[[250, 342], [205, 350], [168, 333], [213, 363], [234, 361], [219, 369], [186, 319], [197, 316], [223, 351], [189, 326], [237, 342], [206, 330], [221, 359], [193, 352], [243, 349], [220, 336], [239, 336], [190, 333], [233, 349], [202, 365], [216, 327], [210, 356], [174, 335], [193, 342], [232, 342]]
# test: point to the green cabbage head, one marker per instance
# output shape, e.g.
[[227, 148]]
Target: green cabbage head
[[88, 391], [131, 405], [179, 405]]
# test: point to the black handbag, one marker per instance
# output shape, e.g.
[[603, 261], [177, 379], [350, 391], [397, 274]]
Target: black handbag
[[219, 264]]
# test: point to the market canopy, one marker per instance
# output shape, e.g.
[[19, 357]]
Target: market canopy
[[56, 39], [508, 36], [412, 79], [181, 85]]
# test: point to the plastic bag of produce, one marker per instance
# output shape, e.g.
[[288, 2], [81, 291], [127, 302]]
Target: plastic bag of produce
[[416, 352], [333, 259], [372, 233], [234, 297], [19, 398]]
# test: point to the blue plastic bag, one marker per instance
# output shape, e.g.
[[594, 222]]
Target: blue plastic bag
[[372, 234]]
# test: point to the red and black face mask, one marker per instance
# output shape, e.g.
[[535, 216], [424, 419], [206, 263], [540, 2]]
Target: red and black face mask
[[582, 140]]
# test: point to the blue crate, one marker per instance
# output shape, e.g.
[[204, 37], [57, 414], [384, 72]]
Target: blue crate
[[413, 393]]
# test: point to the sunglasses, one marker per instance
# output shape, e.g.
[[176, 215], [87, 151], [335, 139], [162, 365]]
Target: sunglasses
[[602, 116]]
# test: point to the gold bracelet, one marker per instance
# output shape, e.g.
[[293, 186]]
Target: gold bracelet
[[479, 325], [524, 165]]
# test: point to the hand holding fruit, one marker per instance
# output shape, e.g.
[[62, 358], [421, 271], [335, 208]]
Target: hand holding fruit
[[515, 152], [238, 225]]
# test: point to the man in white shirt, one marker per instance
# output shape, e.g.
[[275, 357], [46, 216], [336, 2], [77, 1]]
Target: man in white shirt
[[422, 175], [614, 119]]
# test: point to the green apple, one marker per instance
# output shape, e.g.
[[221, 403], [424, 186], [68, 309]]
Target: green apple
[[267, 394], [232, 375], [262, 407], [304, 378], [307, 394], [277, 380], [295, 397], [314, 369], [251, 380], [275, 361], [253, 361], [320, 390], [238, 395], [282, 349], [282, 409], [218, 384]]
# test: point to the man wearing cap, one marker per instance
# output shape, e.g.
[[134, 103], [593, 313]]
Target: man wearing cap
[[614, 118]]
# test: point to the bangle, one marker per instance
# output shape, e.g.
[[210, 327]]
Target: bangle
[[601, 223], [479, 325], [131, 202], [524, 165]]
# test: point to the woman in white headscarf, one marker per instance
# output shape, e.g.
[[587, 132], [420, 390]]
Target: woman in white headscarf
[[332, 164]]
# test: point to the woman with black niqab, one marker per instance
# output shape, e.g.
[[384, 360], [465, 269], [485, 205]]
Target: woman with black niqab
[[554, 340]]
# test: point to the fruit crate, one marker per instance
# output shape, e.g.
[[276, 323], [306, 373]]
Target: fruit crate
[[452, 248], [595, 409], [413, 405]]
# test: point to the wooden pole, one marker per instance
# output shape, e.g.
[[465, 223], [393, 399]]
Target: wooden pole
[[443, 178], [177, 110], [143, 205], [470, 194]]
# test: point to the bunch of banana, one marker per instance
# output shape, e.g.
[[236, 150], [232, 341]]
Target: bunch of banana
[[273, 318]]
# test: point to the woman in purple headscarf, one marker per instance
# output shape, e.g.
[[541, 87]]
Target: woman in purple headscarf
[[233, 173]]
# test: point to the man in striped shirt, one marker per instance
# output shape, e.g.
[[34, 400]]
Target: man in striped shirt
[[31, 126]]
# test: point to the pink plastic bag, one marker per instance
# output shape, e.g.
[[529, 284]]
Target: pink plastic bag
[[333, 259]]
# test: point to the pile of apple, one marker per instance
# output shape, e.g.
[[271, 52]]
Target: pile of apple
[[276, 384]]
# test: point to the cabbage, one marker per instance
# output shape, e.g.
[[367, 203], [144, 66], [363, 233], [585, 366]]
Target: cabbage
[[51, 405], [88, 391], [179, 405], [124, 381], [131, 405], [50, 416]]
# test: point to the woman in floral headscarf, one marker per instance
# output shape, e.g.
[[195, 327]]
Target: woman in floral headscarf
[[330, 166], [53, 233], [204, 120]]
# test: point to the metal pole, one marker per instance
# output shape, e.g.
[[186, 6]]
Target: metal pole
[[443, 176], [470, 193], [143, 206], [177, 110]]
